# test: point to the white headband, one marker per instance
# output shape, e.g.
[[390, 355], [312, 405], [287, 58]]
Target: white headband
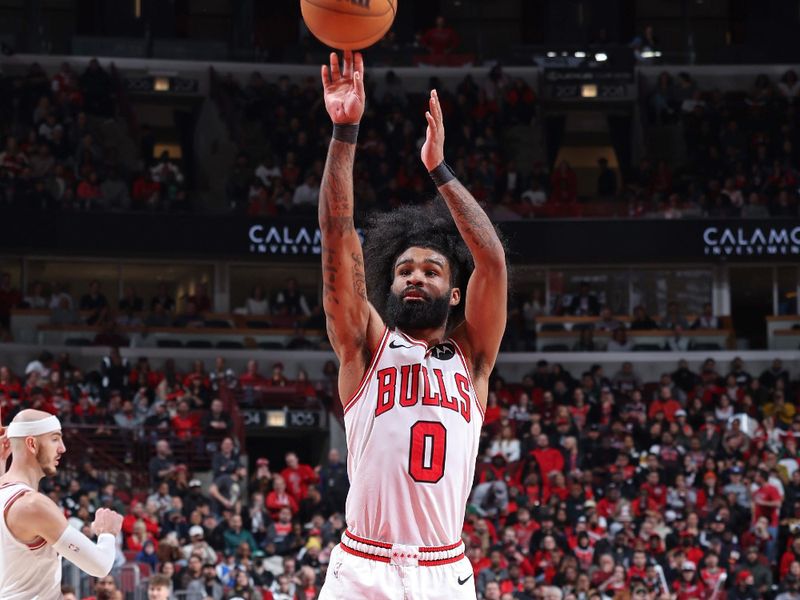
[[42, 426]]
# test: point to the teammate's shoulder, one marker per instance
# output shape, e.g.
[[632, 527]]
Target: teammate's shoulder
[[31, 503]]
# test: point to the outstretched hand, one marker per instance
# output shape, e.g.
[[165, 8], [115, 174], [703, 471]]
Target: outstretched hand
[[344, 89], [432, 153]]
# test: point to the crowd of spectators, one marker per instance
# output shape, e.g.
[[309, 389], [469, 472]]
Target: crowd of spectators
[[279, 170], [590, 486], [53, 155], [286, 306], [741, 150], [526, 313]]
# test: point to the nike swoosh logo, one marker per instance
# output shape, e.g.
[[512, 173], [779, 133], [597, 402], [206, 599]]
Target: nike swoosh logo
[[395, 346], [465, 580]]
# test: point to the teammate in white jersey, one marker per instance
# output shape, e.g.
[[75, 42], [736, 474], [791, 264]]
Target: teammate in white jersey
[[416, 328], [34, 533]]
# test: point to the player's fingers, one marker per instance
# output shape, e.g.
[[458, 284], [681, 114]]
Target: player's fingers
[[432, 112], [359, 63], [347, 71], [359, 83], [431, 121], [438, 106], [335, 72], [326, 78]]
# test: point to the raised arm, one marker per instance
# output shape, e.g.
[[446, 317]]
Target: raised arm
[[354, 328], [486, 295]]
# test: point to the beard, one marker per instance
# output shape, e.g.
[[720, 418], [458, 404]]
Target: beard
[[41, 458], [417, 314]]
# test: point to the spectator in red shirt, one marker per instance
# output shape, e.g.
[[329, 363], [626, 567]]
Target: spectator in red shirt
[[279, 498], [664, 403], [767, 501], [549, 459], [298, 477], [441, 39], [608, 504], [9, 384], [251, 377], [185, 425], [688, 586], [138, 513], [146, 192], [89, 194], [638, 568], [656, 490]]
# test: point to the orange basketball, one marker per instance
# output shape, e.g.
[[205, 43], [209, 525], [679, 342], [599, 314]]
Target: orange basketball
[[348, 24]]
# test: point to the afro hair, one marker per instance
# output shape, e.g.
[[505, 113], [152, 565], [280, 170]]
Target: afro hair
[[430, 225]]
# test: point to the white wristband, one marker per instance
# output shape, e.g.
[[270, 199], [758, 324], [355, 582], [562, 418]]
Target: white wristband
[[94, 559]]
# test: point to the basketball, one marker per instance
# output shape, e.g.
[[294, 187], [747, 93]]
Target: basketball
[[348, 24]]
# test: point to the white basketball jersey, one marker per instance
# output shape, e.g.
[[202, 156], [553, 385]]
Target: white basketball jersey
[[413, 428], [27, 571]]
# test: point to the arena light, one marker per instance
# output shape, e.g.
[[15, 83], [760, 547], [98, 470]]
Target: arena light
[[161, 84], [276, 418], [588, 90], [601, 57], [551, 55], [651, 54], [580, 54]]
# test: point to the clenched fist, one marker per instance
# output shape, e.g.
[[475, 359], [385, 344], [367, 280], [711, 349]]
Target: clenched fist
[[107, 521]]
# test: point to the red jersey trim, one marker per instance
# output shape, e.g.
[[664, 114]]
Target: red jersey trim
[[444, 561], [356, 538], [469, 376], [359, 554], [441, 548], [368, 373], [384, 559], [37, 545], [10, 483]]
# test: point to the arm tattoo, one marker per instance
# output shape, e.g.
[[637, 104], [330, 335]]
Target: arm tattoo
[[472, 222], [340, 259], [329, 271], [336, 191], [359, 280]]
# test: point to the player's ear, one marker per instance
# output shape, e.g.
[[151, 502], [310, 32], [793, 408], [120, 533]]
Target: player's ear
[[455, 296]]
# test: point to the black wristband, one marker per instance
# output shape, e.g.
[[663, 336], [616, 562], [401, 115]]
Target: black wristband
[[442, 174], [345, 133]]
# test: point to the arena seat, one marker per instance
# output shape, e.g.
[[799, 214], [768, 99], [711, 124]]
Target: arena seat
[[230, 345], [169, 344], [704, 346], [555, 348], [218, 323], [647, 348], [199, 344], [258, 324]]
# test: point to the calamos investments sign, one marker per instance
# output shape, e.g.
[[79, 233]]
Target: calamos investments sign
[[286, 239], [746, 240]]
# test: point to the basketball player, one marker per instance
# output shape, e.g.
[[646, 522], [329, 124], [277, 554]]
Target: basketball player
[[416, 329], [34, 533]]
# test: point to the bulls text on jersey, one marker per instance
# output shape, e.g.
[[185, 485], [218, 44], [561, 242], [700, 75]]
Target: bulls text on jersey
[[412, 384]]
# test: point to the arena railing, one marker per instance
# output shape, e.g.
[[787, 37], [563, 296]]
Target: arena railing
[[123, 454]]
